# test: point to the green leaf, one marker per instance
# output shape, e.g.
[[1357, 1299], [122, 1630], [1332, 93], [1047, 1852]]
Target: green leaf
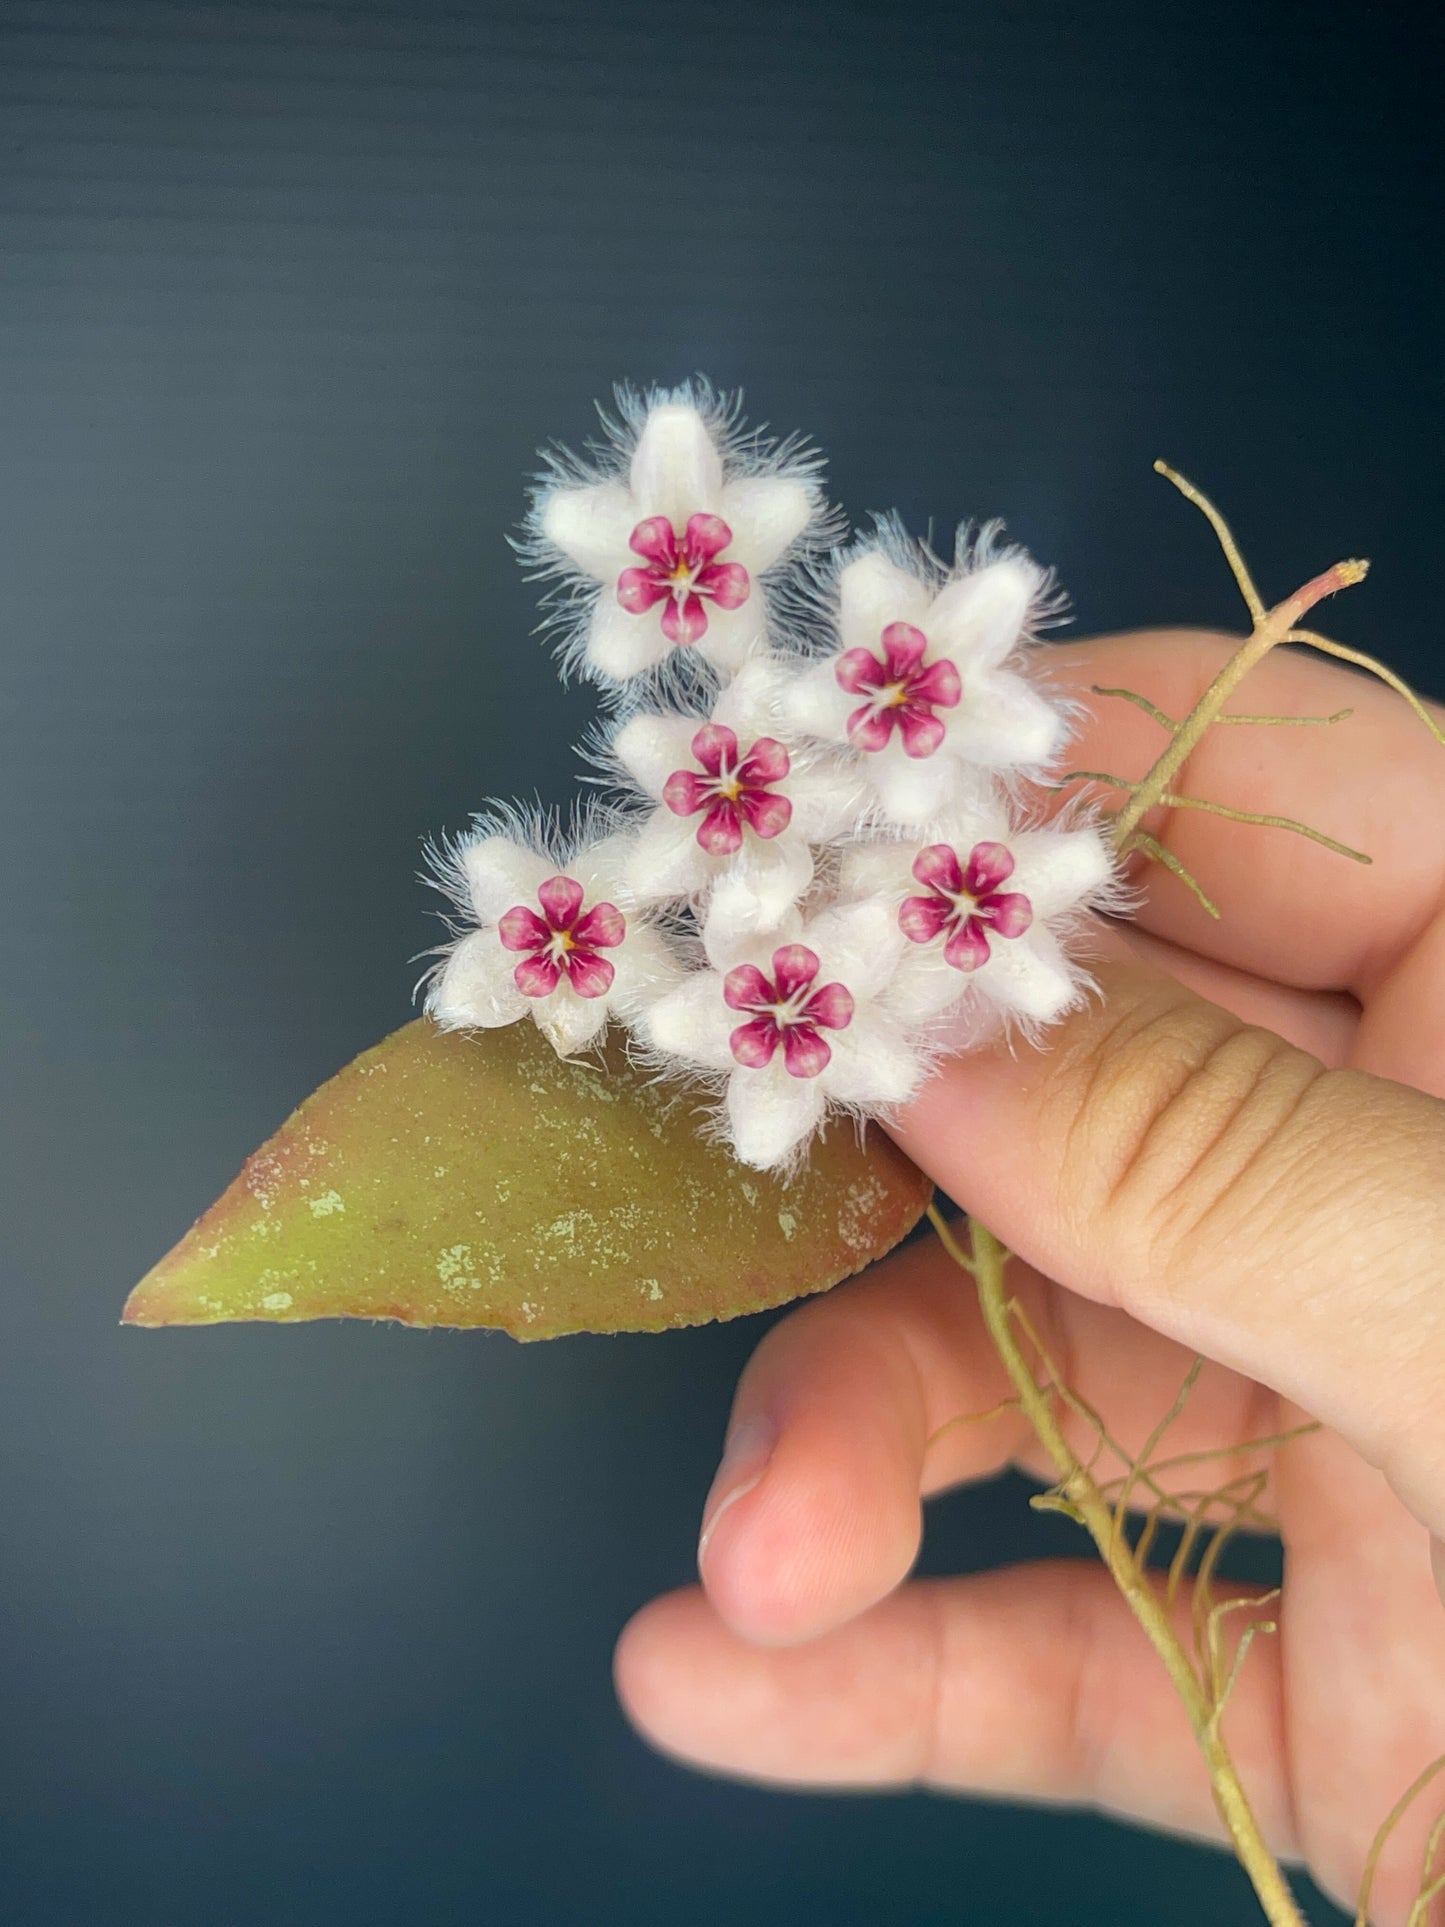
[[478, 1179]]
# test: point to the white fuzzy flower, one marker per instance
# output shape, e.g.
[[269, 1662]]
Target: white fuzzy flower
[[922, 687], [983, 907], [679, 539], [550, 941], [796, 1022], [737, 808], [836, 822]]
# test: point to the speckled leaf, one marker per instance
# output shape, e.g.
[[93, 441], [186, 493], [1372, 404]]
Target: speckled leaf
[[453, 1179]]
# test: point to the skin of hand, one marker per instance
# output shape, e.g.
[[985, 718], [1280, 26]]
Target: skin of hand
[[1236, 1149]]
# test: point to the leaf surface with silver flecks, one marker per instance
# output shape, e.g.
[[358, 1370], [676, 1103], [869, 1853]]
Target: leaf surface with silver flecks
[[476, 1179]]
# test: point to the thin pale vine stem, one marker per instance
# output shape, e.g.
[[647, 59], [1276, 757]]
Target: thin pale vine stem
[[1205, 1687], [1392, 1819], [1166, 721], [1253, 600], [1085, 1502], [1176, 802], [1269, 1443], [1328, 647], [1151, 846], [1144, 1462], [1271, 628]]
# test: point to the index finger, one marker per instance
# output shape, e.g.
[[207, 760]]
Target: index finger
[[1290, 910]]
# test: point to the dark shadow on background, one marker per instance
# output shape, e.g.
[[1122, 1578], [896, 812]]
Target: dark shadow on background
[[314, 1625]]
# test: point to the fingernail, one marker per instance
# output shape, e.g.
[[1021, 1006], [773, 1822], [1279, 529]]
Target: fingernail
[[745, 1458]]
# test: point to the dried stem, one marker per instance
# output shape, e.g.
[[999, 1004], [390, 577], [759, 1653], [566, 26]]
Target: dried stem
[[1166, 721], [1253, 600], [1430, 1882], [1268, 822], [1271, 627], [1151, 846], [1080, 1496], [1205, 1679], [1361, 661]]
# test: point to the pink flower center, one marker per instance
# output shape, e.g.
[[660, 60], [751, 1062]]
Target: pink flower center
[[964, 904], [732, 791], [791, 1006], [901, 692], [563, 941], [684, 575]]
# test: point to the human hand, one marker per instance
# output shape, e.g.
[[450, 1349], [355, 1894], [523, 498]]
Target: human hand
[[1228, 1153]]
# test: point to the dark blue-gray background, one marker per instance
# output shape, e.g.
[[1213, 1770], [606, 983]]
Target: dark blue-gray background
[[313, 1625]]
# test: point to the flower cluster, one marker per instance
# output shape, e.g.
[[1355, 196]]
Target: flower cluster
[[814, 875]]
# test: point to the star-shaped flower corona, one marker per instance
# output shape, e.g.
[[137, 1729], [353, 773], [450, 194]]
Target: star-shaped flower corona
[[549, 941], [683, 573], [791, 1025], [739, 806], [900, 691], [923, 688], [734, 792], [790, 1008], [665, 543], [984, 908], [964, 903], [564, 941]]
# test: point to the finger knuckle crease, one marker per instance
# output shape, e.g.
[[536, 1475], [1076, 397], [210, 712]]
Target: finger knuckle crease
[[1173, 1113]]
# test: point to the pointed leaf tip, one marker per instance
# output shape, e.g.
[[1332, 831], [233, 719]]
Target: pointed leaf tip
[[476, 1179]]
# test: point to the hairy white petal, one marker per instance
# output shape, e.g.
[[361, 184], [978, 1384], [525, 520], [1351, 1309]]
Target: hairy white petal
[[757, 893], [1058, 869], [620, 644], [734, 635], [666, 859], [881, 867], [767, 514], [501, 874], [777, 872], [874, 592], [749, 704], [650, 748], [676, 469], [601, 866], [1029, 977], [1002, 723], [827, 797], [977, 619], [692, 1022], [859, 943], [771, 1114], [591, 527], [569, 1022], [924, 985], [813, 702], [476, 988], [731, 935], [980, 816], [873, 1063], [646, 968], [914, 790]]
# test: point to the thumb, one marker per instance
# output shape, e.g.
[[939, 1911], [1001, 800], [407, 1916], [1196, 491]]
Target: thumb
[[1224, 1188]]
